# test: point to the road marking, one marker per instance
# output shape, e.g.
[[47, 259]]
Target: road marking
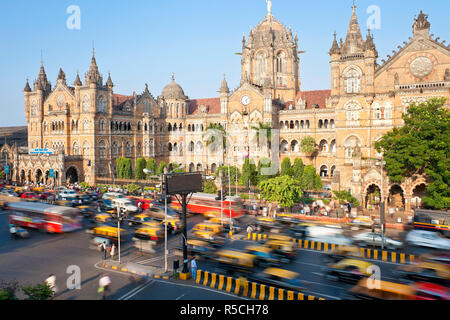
[[154, 259], [324, 295], [136, 290], [180, 296]]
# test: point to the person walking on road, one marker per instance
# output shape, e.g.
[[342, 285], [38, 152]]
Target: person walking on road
[[194, 268], [113, 251], [103, 285], [103, 249]]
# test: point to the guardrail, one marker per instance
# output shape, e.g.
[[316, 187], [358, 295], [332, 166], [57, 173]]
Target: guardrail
[[244, 288], [368, 253]]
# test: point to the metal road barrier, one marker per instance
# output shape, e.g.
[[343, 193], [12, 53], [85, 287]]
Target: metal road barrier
[[249, 289], [368, 253], [132, 270]]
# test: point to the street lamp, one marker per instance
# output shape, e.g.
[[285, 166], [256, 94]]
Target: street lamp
[[166, 171], [381, 164]]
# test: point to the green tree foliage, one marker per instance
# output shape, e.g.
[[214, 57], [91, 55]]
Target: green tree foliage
[[286, 167], [176, 168], [261, 173], [140, 166], [38, 292], [297, 169], [421, 146], [209, 187], [2, 175], [233, 173], [151, 165], [263, 129], [133, 188], [249, 173], [345, 196], [310, 179], [8, 290], [308, 145], [123, 168], [161, 167], [214, 133], [285, 190]]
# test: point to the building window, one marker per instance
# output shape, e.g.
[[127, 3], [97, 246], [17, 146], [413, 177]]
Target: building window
[[352, 81]]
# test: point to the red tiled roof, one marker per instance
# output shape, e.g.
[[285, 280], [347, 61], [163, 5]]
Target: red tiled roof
[[118, 99], [213, 105], [314, 97]]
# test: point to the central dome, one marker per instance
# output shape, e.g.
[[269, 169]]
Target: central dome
[[173, 91], [269, 31]]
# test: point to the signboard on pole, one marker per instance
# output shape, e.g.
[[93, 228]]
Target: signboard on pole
[[6, 169], [52, 173], [178, 183]]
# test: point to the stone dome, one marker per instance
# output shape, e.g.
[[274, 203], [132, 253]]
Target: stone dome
[[173, 91]]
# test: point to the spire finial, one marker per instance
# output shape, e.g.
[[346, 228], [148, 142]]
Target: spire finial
[[354, 6], [93, 48], [173, 76], [269, 7], [42, 58]]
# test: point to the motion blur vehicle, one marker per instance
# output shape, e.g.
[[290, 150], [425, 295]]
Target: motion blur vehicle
[[367, 239], [64, 203], [207, 226], [126, 205], [384, 290], [110, 233], [267, 224], [29, 195], [214, 239], [103, 218], [47, 196], [342, 252], [42, 216], [432, 220], [279, 278], [232, 261], [361, 222], [327, 234], [226, 223], [266, 257], [299, 231], [199, 248], [150, 233], [86, 211], [112, 195], [348, 270], [429, 239], [67, 194], [283, 248], [286, 219], [425, 270], [442, 257], [8, 193], [202, 203], [431, 291]]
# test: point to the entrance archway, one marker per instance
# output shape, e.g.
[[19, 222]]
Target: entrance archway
[[72, 175], [22, 176], [373, 197], [38, 176], [417, 195], [396, 197]]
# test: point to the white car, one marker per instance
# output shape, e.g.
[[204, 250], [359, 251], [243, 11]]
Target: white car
[[67, 194], [430, 239], [112, 195], [367, 239]]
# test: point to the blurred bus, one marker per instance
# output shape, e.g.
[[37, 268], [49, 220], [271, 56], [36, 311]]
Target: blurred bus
[[432, 220], [43, 216], [203, 203]]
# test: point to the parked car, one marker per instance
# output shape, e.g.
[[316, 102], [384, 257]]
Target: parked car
[[429, 239], [366, 239]]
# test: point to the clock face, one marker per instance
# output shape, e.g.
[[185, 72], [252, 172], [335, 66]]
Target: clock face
[[245, 100], [421, 67]]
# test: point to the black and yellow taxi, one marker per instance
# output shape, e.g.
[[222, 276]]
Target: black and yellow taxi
[[87, 211], [214, 228], [266, 256], [214, 239], [348, 270], [342, 252], [149, 233], [200, 248], [285, 249], [279, 278], [139, 219], [267, 224], [232, 261], [367, 289], [108, 232], [102, 218], [425, 269], [299, 231]]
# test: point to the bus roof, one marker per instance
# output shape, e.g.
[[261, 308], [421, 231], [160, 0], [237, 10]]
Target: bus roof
[[213, 196], [39, 207]]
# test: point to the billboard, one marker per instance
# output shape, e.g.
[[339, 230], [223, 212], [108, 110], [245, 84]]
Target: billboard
[[178, 183]]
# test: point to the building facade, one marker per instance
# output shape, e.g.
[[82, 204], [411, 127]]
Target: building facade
[[89, 125]]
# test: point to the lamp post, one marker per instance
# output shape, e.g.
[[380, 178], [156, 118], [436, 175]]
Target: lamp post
[[382, 163]]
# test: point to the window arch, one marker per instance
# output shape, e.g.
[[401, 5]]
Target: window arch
[[352, 78], [294, 146], [102, 149], [86, 126], [75, 149], [323, 146], [101, 104], [86, 149], [86, 104], [324, 171]]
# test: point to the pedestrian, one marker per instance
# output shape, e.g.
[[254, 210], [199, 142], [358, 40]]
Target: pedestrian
[[194, 268], [249, 229], [113, 251], [51, 283], [104, 284], [103, 248], [13, 230]]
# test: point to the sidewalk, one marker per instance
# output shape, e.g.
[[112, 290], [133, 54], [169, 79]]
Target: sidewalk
[[135, 269]]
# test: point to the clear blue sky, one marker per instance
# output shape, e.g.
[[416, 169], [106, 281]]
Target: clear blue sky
[[144, 41]]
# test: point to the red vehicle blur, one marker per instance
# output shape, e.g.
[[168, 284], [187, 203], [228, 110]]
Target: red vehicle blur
[[203, 203], [431, 291], [29, 195], [42, 216], [144, 204], [47, 196]]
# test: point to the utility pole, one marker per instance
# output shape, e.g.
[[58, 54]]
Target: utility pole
[[382, 217]]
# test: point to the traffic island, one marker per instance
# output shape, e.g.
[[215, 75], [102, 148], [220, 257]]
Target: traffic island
[[185, 276], [135, 269]]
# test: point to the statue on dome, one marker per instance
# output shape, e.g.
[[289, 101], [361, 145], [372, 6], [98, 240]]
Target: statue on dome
[[269, 6]]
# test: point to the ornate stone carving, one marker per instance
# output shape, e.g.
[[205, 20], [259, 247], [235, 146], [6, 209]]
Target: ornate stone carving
[[421, 67]]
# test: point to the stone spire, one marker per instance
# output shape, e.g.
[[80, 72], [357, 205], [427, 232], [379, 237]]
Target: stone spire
[[224, 87], [334, 47], [109, 83], [354, 41], [78, 82], [27, 87], [369, 44], [42, 82], [61, 75], [93, 76]]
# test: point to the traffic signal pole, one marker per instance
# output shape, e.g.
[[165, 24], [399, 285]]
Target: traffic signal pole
[[185, 252]]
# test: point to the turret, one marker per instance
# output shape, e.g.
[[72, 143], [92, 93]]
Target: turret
[[224, 93]]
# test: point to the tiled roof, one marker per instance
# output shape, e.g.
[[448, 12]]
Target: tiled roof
[[314, 97], [213, 105], [119, 99]]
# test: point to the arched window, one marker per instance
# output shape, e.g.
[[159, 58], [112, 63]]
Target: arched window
[[280, 66], [101, 104], [320, 124], [86, 126], [169, 147], [139, 149], [284, 146], [102, 149], [324, 171], [352, 81], [199, 147], [86, 103], [191, 146], [139, 126], [75, 149], [333, 146], [333, 169], [115, 150], [260, 67], [323, 146], [332, 123], [86, 149], [294, 146]]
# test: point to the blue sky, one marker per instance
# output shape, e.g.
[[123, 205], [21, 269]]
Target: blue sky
[[144, 41]]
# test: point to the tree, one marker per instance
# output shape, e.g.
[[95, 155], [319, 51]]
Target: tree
[[133, 188], [139, 171], [161, 167], [233, 173], [310, 179], [176, 168], [421, 147], [8, 290], [285, 190], [38, 292], [308, 145], [249, 174], [265, 129], [286, 167], [127, 169], [345, 196], [263, 168], [209, 187], [213, 134], [297, 169], [151, 166]]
